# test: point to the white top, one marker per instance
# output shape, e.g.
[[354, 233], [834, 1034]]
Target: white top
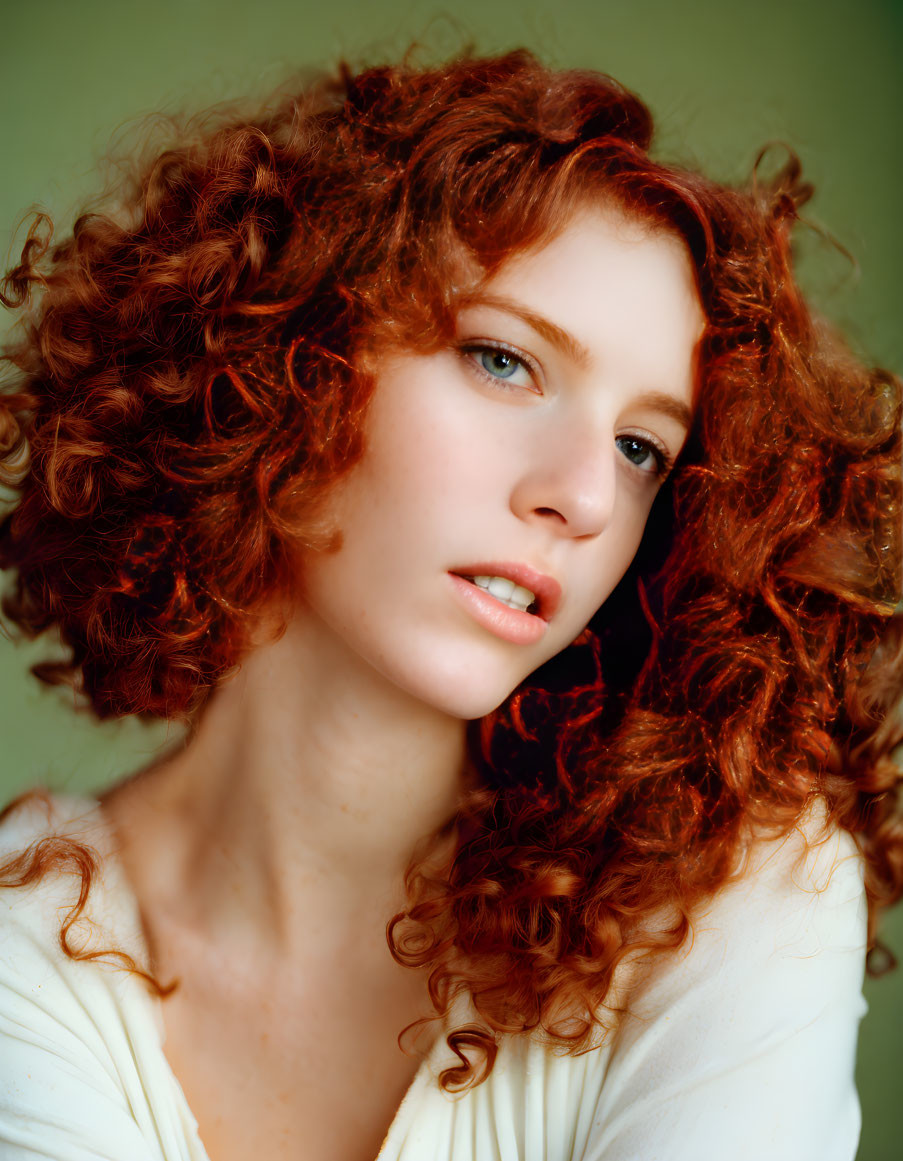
[[741, 1046]]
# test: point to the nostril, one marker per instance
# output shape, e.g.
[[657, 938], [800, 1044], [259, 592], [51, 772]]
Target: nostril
[[550, 512]]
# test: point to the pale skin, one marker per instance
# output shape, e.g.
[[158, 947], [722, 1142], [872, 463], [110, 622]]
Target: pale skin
[[268, 854]]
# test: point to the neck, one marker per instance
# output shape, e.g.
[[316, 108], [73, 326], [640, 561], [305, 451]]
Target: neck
[[294, 787]]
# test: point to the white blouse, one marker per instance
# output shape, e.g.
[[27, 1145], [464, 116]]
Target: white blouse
[[741, 1046]]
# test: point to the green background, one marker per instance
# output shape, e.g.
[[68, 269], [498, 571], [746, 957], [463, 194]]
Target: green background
[[722, 78]]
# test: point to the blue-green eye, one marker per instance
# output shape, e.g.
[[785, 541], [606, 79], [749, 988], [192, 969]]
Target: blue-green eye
[[501, 364], [642, 454]]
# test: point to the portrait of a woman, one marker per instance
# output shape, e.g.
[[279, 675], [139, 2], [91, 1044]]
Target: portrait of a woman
[[520, 554]]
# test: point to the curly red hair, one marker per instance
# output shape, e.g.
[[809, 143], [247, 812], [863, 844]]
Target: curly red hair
[[193, 380]]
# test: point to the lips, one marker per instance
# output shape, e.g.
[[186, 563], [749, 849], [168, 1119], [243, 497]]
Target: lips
[[546, 590]]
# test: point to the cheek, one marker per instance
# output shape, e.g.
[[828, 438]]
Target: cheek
[[616, 554], [432, 456]]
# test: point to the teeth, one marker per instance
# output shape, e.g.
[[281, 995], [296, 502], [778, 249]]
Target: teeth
[[501, 588], [506, 591]]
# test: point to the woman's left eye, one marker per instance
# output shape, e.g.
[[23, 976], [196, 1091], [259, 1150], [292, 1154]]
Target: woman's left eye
[[643, 454]]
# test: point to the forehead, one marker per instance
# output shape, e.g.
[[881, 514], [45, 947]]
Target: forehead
[[604, 244]]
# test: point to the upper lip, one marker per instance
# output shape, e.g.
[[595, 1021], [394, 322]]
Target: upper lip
[[545, 589]]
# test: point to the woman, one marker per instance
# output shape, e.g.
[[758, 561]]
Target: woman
[[340, 435]]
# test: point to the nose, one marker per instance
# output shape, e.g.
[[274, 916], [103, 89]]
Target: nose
[[570, 484]]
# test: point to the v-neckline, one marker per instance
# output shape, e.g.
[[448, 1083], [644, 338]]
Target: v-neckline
[[126, 901]]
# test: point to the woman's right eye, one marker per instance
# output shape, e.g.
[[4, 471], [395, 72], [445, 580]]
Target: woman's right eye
[[500, 365]]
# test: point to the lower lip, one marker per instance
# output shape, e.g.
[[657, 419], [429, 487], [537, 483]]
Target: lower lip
[[505, 622]]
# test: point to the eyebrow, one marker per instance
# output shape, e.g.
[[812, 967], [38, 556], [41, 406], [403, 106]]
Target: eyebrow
[[550, 331], [675, 409]]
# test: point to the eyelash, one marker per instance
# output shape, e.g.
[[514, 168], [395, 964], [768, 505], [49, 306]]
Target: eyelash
[[663, 461], [468, 350]]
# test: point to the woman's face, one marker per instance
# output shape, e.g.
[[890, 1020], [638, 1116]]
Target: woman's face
[[524, 458]]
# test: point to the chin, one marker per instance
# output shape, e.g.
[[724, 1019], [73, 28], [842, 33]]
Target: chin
[[462, 695], [472, 708]]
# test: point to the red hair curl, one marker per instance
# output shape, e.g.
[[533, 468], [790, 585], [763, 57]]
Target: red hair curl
[[191, 382]]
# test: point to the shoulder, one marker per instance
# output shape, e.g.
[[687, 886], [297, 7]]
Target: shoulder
[[795, 907], [744, 1042], [801, 896], [59, 877], [51, 872], [46, 850], [39, 814], [56, 856], [69, 1029]]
